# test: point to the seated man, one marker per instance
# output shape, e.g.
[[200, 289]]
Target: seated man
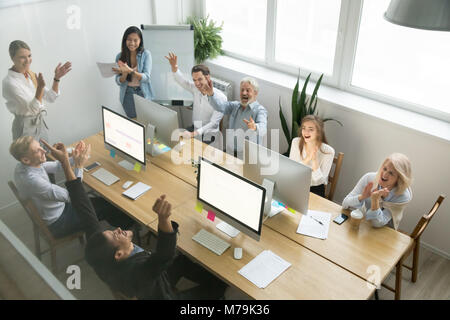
[[247, 117], [204, 118], [51, 200], [127, 268]]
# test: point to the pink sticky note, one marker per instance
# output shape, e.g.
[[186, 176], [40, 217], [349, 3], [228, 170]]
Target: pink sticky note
[[211, 215]]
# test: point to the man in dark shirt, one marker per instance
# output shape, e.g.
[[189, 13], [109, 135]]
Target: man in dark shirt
[[124, 266]]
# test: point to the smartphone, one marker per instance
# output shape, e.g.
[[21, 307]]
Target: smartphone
[[340, 218], [92, 166]]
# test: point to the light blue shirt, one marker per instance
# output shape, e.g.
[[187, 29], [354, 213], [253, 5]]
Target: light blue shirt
[[382, 216], [33, 183], [144, 66], [136, 249], [237, 115]]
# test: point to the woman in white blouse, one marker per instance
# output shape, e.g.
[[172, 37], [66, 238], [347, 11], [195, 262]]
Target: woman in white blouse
[[26, 93], [311, 149]]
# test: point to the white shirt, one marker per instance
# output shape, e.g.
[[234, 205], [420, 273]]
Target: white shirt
[[33, 183], [325, 157], [20, 93], [204, 117]]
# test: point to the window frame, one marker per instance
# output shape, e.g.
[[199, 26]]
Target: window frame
[[344, 58]]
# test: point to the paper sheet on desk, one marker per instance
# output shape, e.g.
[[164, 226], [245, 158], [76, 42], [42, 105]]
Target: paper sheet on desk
[[264, 268], [310, 227], [106, 69]]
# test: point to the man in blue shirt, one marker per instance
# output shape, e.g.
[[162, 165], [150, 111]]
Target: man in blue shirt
[[248, 118]]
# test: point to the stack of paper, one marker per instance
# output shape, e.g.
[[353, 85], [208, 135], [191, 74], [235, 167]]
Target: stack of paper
[[136, 191], [264, 268], [315, 224]]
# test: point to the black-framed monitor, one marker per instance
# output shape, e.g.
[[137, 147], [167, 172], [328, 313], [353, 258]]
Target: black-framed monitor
[[125, 136], [291, 179], [234, 199]]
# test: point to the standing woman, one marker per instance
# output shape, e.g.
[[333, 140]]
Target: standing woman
[[311, 149], [133, 74], [26, 93]]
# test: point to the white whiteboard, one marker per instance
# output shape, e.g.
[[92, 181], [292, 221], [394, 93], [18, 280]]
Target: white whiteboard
[[161, 40]]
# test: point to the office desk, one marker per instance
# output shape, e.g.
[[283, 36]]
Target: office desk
[[177, 191], [179, 163], [367, 252], [371, 253], [309, 277]]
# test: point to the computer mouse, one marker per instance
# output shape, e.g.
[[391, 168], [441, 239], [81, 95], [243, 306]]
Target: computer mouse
[[127, 184], [237, 253]]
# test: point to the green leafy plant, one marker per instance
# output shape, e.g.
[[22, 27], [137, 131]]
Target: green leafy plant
[[207, 39], [301, 106]]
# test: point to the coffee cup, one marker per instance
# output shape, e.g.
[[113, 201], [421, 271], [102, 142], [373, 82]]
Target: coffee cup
[[356, 216]]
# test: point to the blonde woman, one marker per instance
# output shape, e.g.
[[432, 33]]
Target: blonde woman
[[383, 195], [311, 149]]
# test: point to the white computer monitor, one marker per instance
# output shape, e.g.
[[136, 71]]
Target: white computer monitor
[[234, 199], [125, 136], [161, 122], [291, 179]]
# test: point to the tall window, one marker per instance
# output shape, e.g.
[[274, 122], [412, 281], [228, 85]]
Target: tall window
[[306, 33], [349, 41], [404, 63], [244, 31]]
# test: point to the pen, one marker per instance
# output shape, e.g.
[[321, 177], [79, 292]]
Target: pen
[[316, 220]]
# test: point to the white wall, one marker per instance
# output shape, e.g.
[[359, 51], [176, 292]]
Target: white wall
[[76, 113], [366, 141]]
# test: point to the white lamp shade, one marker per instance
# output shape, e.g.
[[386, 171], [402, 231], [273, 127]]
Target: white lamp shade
[[420, 14]]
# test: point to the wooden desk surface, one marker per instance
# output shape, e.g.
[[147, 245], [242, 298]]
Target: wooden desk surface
[[140, 209], [360, 252], [180, 163], [309, 277]]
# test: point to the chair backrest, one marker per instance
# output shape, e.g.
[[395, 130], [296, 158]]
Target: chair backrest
[[425, 219], [333, 179], [32, 212]]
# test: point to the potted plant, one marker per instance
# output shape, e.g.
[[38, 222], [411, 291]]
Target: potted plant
[[301, 106], [207, 39]]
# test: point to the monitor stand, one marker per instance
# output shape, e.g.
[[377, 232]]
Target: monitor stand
[[228, 229], [269, 185], [127, 165]]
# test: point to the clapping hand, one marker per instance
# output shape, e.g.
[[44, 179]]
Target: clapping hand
[[61, 71], [124, 67], [58, 151], [40, 81], [81, 154]]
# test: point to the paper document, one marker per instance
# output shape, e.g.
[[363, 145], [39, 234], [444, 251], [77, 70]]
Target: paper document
[[315, 224], [106, 69], [264, 268]]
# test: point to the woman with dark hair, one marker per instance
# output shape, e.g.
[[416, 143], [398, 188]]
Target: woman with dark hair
[[311, 149], [133, 74], [26, 93]]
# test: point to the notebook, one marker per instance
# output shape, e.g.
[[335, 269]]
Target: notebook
[[136, 191]]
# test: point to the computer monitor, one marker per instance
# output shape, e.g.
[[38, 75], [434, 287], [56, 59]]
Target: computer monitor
[[234, 199], [291, 179], [160, 121], [125, 136]]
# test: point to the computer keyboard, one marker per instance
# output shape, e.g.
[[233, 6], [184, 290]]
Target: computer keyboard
[[211, 241], [105, 176]]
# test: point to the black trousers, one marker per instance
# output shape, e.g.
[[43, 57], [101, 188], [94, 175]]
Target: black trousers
[[69, 221], [209, 287], [319, 190]]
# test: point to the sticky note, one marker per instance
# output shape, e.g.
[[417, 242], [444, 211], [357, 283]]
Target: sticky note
[[199, 207], [137, 167], [149, 141], [211, 215], [112, 153], [291, 210]]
